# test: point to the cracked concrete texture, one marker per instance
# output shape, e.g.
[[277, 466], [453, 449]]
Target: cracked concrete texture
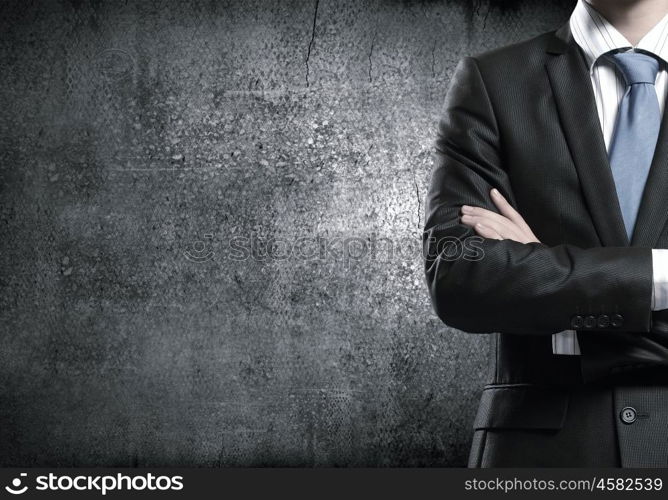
[[210, 218]]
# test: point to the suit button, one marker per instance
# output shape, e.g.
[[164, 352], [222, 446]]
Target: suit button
[[590, 321], [577, 322], [628, 415], [603, 321], [617, 320]]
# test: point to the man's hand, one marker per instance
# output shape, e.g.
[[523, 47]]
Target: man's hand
[[509, 225]]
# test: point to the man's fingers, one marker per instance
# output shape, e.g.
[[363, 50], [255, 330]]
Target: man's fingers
[[504, 229], [486, 214], [507, 210], [518, 229], [500, 225], [487, 232]]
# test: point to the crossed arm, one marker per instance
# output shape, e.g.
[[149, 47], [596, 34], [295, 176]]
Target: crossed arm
[[520, 285]]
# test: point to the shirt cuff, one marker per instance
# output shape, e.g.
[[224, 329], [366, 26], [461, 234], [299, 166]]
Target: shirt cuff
[[660, 279], [566, 343]]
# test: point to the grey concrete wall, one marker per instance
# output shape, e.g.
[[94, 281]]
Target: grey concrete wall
[[145, 147]]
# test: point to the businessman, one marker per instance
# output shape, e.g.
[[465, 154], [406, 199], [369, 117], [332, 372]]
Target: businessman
[[554, 154]]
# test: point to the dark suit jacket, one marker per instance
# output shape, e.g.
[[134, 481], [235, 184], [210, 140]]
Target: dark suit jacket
[[523, 119]]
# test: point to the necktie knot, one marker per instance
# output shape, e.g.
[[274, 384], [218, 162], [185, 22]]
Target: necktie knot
[[636, 67]]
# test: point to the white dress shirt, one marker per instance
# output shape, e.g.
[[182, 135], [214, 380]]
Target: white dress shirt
[[596, 36]]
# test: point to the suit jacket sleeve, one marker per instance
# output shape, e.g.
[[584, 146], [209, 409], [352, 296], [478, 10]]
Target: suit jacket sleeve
[[510, 287]]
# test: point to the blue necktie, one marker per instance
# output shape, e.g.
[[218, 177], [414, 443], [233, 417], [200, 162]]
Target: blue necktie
[[636, 132]]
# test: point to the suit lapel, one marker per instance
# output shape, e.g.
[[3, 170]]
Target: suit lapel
[[654, 205], [572, 89]]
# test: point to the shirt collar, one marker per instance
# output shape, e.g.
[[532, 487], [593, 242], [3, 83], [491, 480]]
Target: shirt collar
[[596, 36]]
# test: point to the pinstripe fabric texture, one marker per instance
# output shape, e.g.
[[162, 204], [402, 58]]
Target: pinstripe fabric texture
[[597, 37], [523, 119], [638, 446]]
